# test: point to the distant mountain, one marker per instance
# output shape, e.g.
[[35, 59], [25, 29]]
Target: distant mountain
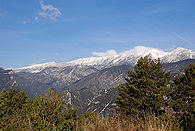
[[129, 57], [178, 55], [98, 91], [102, 80], [60, 75], [8, 79], [178, 67], [91, 82], [35, 68]]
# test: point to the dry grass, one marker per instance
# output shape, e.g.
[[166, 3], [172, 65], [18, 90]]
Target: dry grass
[[151, 123]]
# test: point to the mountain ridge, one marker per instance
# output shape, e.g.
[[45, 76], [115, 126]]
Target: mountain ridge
[[129, 57], [93, 89], [98, 90]]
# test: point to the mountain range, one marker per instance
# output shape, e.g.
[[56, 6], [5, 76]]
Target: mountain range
[[60, 75], [129, 57], [99, 90], [91, 82]]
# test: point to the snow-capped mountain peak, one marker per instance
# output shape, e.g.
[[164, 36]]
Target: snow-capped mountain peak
[[178, 54], [106, 61], [180, 49], [34, 68], [127, 57]]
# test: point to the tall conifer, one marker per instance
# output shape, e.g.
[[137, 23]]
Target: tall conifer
[[143, 92], [183, 96]]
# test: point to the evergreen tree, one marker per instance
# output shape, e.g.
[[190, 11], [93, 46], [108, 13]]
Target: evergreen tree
[[12, 108], [51, 112], [182, 97], [144, 90]]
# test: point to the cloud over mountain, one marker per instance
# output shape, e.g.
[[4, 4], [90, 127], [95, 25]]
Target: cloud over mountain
[[107, 53]]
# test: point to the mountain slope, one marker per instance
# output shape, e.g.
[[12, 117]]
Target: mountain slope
[[60, 75], [178, 55], [99, 90], [35, 68], [8, 79]]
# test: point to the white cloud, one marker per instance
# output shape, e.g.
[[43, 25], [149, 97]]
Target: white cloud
[[49, 11], [107, 53]]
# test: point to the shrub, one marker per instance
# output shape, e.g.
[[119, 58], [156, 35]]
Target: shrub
[[50, 112]]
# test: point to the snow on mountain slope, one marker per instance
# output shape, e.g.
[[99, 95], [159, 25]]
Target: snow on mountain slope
[[178, 54], [35, 68], [131, 56], [127, 57]]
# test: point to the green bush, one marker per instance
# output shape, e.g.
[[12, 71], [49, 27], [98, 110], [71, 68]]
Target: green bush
[[50, 112]]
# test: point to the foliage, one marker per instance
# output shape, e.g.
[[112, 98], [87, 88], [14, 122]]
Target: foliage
[[50, 112], [144, 89], [12, 108], [183, 96]]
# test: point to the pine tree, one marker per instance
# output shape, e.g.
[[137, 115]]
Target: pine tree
[[12, 108], [144, 90], [182, 97], [52, 112]]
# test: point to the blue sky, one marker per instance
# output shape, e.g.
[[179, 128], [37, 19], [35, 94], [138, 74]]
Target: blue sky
[[38, 31]]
